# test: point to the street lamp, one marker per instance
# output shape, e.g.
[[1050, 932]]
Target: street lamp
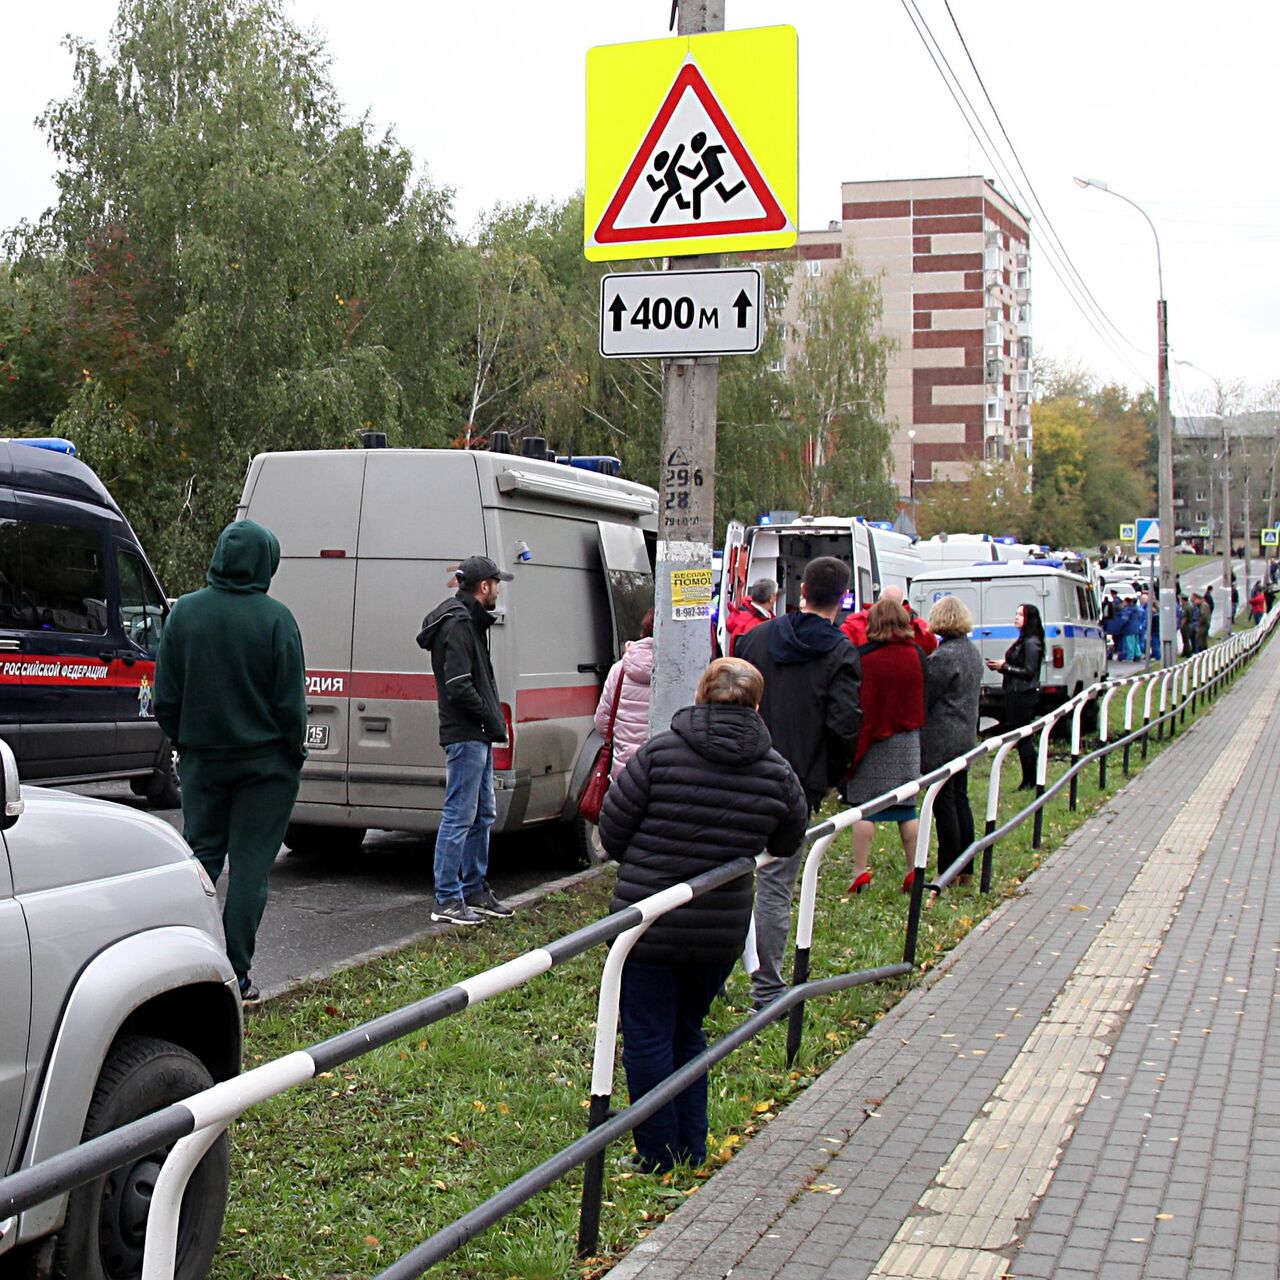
[[1164, 470], [911, 491]]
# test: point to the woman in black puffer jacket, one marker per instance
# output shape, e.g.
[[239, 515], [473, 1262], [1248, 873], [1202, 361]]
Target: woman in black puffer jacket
[[710, 790]]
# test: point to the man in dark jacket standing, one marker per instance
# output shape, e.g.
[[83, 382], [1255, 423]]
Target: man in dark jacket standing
[[231, 696], [812, 707], [456, 635]]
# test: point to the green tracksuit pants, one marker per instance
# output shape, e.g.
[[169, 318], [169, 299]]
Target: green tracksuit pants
[[237, 810]]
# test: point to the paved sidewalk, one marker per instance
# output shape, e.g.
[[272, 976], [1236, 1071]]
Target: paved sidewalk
[[1090, 1086]]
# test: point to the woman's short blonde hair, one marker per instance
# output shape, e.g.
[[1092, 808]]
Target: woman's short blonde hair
[[731, 680], [950, 617], [888, 621]]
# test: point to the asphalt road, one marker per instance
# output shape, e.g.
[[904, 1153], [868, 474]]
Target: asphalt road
[[327, 913]]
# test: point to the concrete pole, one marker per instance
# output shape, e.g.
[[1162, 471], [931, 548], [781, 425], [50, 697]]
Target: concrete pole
[[1228, 611], [1248, 524], [686, 485], [1168, 605]]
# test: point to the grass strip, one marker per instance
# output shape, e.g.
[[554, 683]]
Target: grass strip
[[334, 1180]]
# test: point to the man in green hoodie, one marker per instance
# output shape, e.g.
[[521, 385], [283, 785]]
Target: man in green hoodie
[[230, 694]]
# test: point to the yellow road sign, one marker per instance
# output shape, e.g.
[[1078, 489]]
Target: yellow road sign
[[1271, 537], [692, 145], [1128, 533]]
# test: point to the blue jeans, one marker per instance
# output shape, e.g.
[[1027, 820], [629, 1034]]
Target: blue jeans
[[662, 1008], [462, 843]]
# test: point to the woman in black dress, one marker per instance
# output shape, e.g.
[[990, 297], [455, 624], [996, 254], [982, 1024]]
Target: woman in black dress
[[1020, 671]]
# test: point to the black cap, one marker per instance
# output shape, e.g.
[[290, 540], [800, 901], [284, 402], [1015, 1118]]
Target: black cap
[[477, 569]]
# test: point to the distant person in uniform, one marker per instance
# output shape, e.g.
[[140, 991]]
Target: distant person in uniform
[[231, 695], [456, 634]]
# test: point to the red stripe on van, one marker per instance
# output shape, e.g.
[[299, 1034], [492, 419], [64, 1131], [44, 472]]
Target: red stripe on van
[[84, 673], [562, 703], [556, 704]]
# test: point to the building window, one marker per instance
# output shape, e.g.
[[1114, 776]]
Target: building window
[[813, 267], [1201, 496], [779, 365]]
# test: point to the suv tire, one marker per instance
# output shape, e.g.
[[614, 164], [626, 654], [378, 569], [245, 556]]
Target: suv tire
[[162, 789], [106, 1219]]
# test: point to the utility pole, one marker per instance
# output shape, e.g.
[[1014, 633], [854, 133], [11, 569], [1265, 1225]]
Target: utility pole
[[1168, 605], [687, 486], [1228, 608], [1248, 531]]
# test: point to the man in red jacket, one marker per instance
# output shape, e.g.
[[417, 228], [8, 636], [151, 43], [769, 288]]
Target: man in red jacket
[[758, 607], [855, 625]]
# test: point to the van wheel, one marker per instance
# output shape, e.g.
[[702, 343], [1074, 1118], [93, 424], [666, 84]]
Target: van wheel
[[309, 838], [106, 1223], [163, 788]]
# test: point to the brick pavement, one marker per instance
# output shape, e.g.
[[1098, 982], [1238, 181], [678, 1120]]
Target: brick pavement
[[1088, 1086]]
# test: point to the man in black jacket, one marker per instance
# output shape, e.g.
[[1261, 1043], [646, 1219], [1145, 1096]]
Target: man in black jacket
[[812, 707], [456, 635]]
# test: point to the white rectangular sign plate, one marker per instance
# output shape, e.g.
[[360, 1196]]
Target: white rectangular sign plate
[[682, 313]]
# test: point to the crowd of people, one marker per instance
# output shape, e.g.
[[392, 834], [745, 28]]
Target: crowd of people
[[802, 707]]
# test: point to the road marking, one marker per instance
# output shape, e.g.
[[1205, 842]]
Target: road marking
[[966, 1224]]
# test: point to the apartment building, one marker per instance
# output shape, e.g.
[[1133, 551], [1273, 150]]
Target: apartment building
[[953, 257]]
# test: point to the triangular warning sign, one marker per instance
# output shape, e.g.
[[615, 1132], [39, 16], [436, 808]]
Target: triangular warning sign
[[691, 177]]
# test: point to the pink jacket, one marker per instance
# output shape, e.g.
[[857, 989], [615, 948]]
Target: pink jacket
[[632, 728]]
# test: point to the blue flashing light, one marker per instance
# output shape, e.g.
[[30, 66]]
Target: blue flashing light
[[886, 525], [766, 519], [55, 444], [1008, 541], [846, 601], [604, 464]]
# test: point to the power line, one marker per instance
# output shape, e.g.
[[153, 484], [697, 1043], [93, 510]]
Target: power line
[[1035, 195], [975, 125]]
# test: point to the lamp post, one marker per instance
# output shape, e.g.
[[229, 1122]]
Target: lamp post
[[911, 490], [1164, 470]]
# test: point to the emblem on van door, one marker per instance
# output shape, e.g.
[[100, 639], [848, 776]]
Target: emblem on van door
[[144, 700]]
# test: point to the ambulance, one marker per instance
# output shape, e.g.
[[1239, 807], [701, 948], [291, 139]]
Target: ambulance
[[1075, 647], [877, 557], [368, 540]]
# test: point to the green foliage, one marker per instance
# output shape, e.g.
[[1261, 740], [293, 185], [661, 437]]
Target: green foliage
[[995, 499], [240, 269]]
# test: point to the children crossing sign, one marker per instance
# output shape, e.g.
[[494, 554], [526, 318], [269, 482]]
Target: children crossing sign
[[692, 145]]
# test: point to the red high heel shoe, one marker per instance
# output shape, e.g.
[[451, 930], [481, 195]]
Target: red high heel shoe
[[860, 882], [909, 881]]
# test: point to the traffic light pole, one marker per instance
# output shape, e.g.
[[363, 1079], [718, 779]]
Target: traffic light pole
[[686, 491]]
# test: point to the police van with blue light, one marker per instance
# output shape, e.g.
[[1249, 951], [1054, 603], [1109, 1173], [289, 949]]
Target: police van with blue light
[[1075, 646], [80, 619]]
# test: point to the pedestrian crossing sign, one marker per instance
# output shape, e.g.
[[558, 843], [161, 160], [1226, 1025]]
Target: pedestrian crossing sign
[[1206, 531], [1271, 537], [1128, 533], [692, 145], [1148, 539]]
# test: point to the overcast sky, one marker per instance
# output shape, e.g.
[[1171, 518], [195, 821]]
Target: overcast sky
[[1171, 103]]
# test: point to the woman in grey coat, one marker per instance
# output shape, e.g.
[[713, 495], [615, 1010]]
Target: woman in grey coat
[[953, 678]]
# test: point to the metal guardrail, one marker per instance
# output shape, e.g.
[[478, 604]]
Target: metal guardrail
[[194, 1125]]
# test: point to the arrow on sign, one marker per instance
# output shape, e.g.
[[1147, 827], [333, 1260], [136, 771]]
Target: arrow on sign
[[617, 309], [742, 304]]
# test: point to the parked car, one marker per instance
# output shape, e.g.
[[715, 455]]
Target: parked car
[[118, 1000], [80, 619]]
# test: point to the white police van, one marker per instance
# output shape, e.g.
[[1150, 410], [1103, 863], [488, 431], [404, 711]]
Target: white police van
[[367, 541], [877, 557], [1075, 647]]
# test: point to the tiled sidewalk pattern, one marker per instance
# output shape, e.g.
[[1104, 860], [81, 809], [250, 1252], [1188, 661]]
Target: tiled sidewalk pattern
[[939, 1095]]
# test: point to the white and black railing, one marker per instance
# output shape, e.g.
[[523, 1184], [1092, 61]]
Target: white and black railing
[[191, 1127]]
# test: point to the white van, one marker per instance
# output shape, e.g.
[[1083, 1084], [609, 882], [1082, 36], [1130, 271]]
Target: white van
[[368, 538], [878, 557], [964, 549], [1075, 647]]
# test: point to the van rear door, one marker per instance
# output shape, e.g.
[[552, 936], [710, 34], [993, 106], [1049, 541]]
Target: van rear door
[[421, 517], [311, 502], [733, 578], [628, 578]]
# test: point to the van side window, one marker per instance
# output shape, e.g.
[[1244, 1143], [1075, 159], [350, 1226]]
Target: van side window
[[11, 610], [141, 605], [63, 586]]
